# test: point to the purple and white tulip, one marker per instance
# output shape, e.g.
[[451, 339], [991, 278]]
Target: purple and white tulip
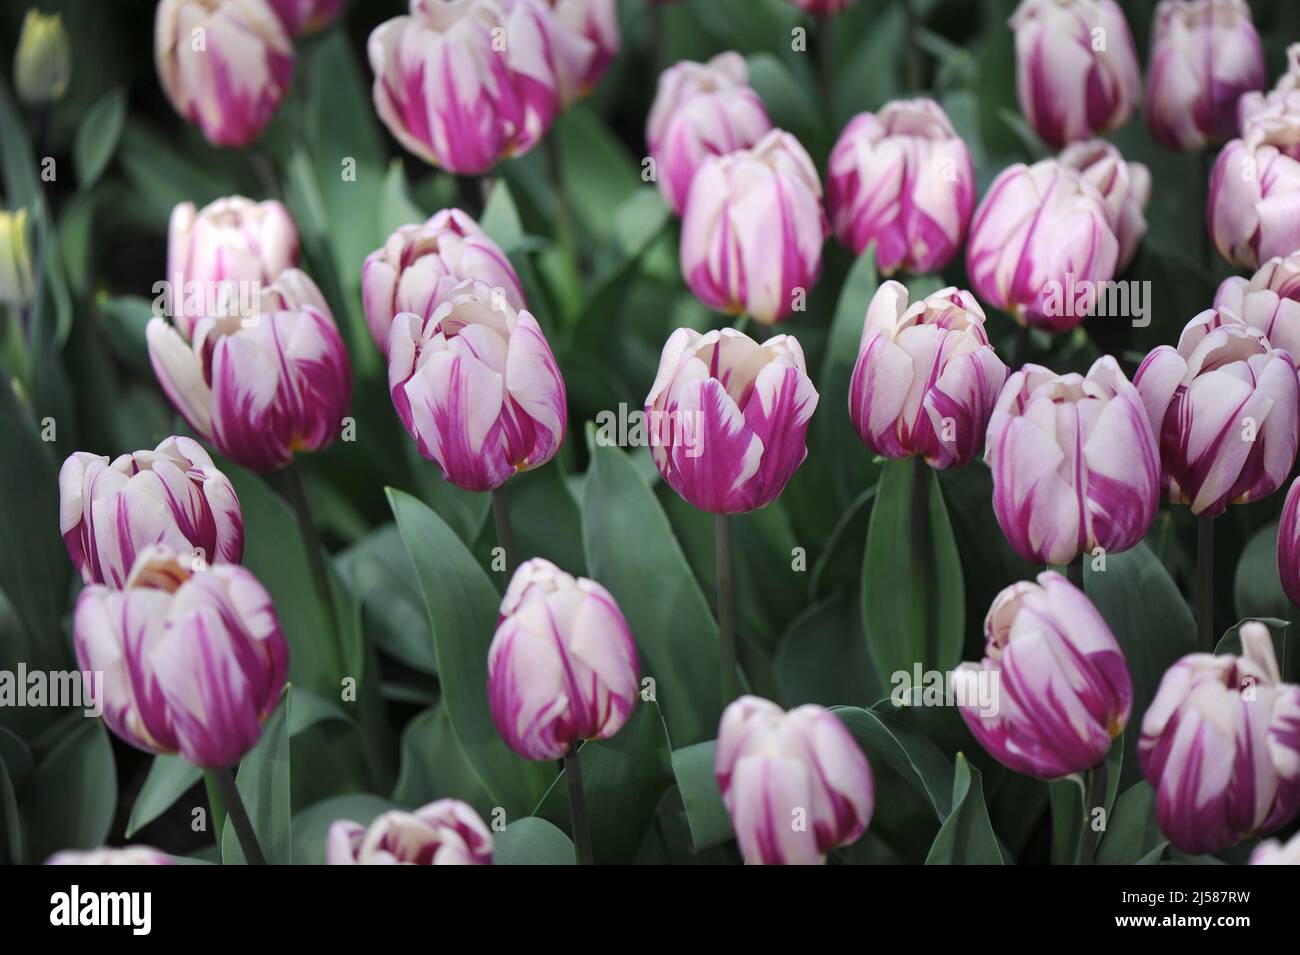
[[1204, 55], [1269, 300], [701, 110], [306, 16], [1224, 408], [1253, 209], [823, 8], [926, 377], [562, 667], [728, 417], [1221, 746], [1063, 691], [173, 495], [1278, 105], [796, 783], [419, 265], [192, 656], [224, 64], [1273, 852], [1125, 187], [106, 855], [445, 832], [1039, 230], [595, 21], [1075, 463], [477, 387], [902, 178], [1077, 70], [1288, 544], [260, 388]]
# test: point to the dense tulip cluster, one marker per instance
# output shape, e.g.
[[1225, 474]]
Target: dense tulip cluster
[[446, 832]]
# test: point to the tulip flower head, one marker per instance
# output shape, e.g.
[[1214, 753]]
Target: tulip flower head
[[446, 832], [562, 667], [1272, 852], [129, 855], [1253, 189], [306, 16], [596, 22], [1279, 106], [15, 259], [42, 60], [1125, 188], [1269, 300], [1288, 544], [823, 8]]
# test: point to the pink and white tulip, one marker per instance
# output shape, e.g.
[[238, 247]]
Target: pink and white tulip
[[796, 783], [1253, 209], [596, 22], [419, 265], [728, 417], [1273, 852], [1077, 70], [1125, 188], [106, 855], [1075, 463], [926, 377], [701, 110], [1221, 746], [562, 667], [1288, 544], [306, 16], [192, 656], [902, 178], [1269, 300], [173, 495], [1224, 407], [224, 64], [477, 386], [1278, 105], [445, 832], [1061, 691]]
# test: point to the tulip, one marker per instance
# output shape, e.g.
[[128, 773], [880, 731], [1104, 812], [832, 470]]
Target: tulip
[[1269, 300], [796, 783], [1040, 229], [1077, 68], [701, 110], [902, 178], [1074, 461], [419, 265], [224, 64], [193, 657], [105, 855], [446, 832], [728, 417], [823, 8], [563, 665], [1273, 852], [1288, 544], [1279, 104], [306, 16], [926, 377], [218, 258], [1063, 690], [753, 230], [477, 387], [15, 260], [1124, 187], [1221, 746], [596, 21], [1253, 194], [42, 60], [1205, 54], [260, 388], [1223, 405], [172, 495]]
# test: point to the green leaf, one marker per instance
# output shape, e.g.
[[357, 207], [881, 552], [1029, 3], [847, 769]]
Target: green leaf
[[70, 800], [311, 825], [546, 519], [16, 163], [829, 630], [598, 171], [1285, 645], [379, 572], [853, 468], [396, 208], [433, 765], [15, 769], [170, 778], [706, 814], [1132, 833], [888, 740], [966, 836], [263, 782], [124, 319], [788, 102], [97, 137], [532, 841], [1257, 586]]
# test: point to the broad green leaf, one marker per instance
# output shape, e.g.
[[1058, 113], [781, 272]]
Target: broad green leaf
[[532, 841], [1257, 585], [263, 783], [705, 813], [788, 101], [379, 572], [887, 739], [311, 825], [70, 800], [97, 137], [597, 170], [434, 767], [854, 471], [1132, 833], [170, 778], [966, 836], [828, 630], [123, 320]]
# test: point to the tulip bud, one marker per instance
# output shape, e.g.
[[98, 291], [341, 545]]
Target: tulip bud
[[1077, 68], [701, 110], [1074, 461], [796, 784], [43, 60], [823, 8], [224, 64], [1269, 300], [477, 387], [1272, 852], [563, 665], [902, 178], [419, 265], [192, 656], [1205, 54], [1279, 104], [1041, 229], [1221, 746], [260, 388], [1124, 187], [15, 260], [306, 16], [172, 495], [1254, 186], [596, 22], [105, 855], [1223, 406], [728, 417], [1062, 689], [926, 377], [446, 832], [1288, 544], [753, 231]]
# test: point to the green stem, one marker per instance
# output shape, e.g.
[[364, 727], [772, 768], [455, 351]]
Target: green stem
[[295, 492], [505, 532], [1205, 582], [216, 805], [1091, 837], [224, 780], [726, 606], [578, 806], [920, 545]]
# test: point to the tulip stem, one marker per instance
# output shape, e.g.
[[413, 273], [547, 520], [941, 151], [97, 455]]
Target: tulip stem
[[1091, 836], [1205, 582], [578, 806], [295, 491], [505, 531], [920, 545], [224, 780], [726, 606]]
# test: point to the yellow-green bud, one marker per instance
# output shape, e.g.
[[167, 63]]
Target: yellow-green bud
[[42, 62]]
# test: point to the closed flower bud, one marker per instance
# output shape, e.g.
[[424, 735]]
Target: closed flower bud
[[563, 665], [1223, 405], [1077, 68], [306, 16], [15, 260], [1221, 746], [753, 230], [43, 59], [1062, 690], [1269, 300], [1253, 193], [902, 178], [193, 657], [1074, 461], [1124, 187], [446, 832], [926, 377], [129, 855], [796, 783], [728, 417], [477, 386]]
